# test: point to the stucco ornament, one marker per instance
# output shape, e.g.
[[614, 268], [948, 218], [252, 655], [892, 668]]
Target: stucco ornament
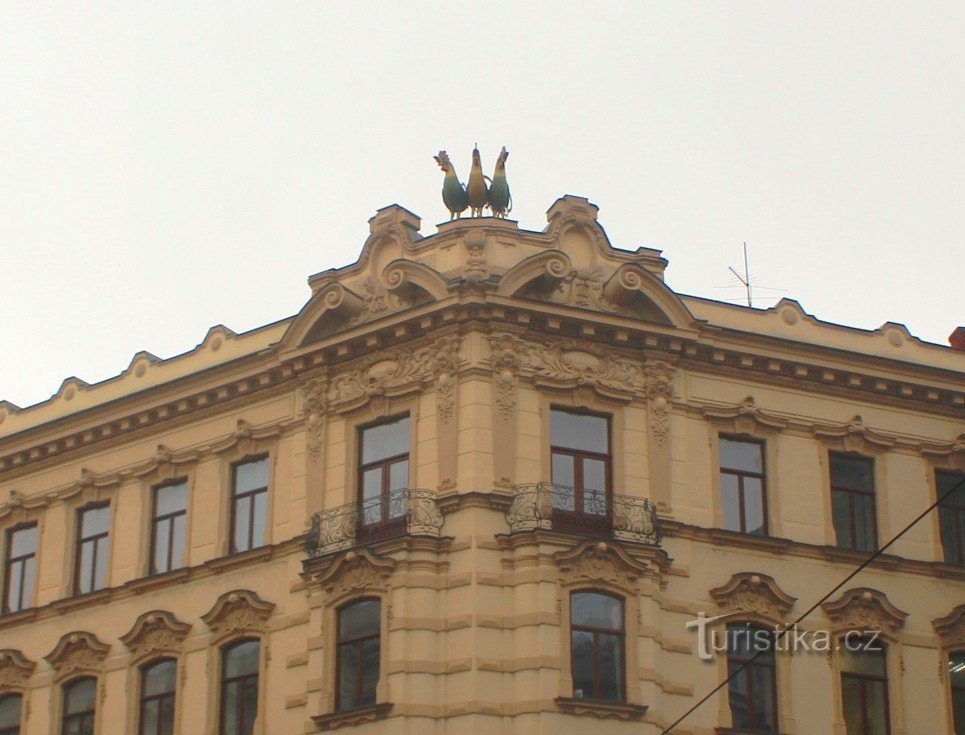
[[78, 652], [744, 418], [314, 408], [354, 572], [155, 632], [238, 612], [573, 364], [951, 628], [600, 563], [659, 391], [754, 594], [854, 436], [864, 609], [504, 361], [477, 270], [15, 670]]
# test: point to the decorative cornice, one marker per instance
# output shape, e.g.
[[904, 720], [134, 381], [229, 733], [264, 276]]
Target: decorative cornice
[[951, 629], [854, 436], [350, 573], [155, 633], [236, 613], [15, 670], [601, 710], [863, 608], [754, 594], [354, 717], [76, 653], [601, 563], [744, 418]]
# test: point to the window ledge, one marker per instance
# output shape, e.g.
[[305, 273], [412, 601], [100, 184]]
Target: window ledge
[[738, 731], [601, 710], [352, 717], [239, 558], [775, 544]]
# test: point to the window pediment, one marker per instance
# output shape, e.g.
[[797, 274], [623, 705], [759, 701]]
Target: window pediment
[[78, 652], [601, 563], [863, 608], [753, 594], [951, 628], [854, 436], [352, 573], [15, 670], [154, 633], [238, 612], [744, 418]]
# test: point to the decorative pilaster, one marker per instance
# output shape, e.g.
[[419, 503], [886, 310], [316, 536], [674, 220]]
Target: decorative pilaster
[[659, 391]]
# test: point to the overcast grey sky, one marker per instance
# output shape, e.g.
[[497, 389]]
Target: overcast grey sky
[[170, 166]]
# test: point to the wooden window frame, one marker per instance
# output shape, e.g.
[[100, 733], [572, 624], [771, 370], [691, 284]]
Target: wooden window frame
[[143, 698], [157, 520], [356, 642], [81, 540], [949, 655], [386, 521], [749, 667], [850, 493], [620, 633], [248, 495], [953, 556], [578, 519], [15, 728], [225, 681], [863, 679], [740, 475], [9, 562], [83, 717]]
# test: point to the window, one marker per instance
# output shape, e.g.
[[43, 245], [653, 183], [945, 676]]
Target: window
[[853, 501], [249, 504], [956, 673], [80, 697], [596, 646], [157, 698], [864, 688], [168, 527], [753, 690], [93, 547], [357, 664], [239, 687], [742, 486], [383, 471], [580, 455], [10, 714], [20, 572], [951, 515]]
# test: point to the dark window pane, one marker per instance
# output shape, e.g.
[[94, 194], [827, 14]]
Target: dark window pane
[[150, 716], [100, 571], [855, 473], [10, 711], [564, 472], [753, 506], [241, 659], [359, 619], [385, 440], [370, 670], [251, 475], [348, 667], [399, 475], [864, 522], [167, 716], [242, 523], [745, 640], [171, 499], [231, 694], [14, 586], [598, 611], [23, 541], [764, 718], [579, 431], [956, 669], [159, 678], [867, 663], [29, 581], [945, 481], [250, 694], [260, 520], [162, 531], [79, 696], [583, 665], [611, 668], [741, 455], [85, 582], [841, 511], [372, 483], [95, 521], [738, 696], [594, 474], [730, 501], [177, 542]]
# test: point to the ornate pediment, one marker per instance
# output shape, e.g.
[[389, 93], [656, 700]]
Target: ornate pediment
[[864, 609], [237, 613], [744, 418], [600, 563], [15, 670], [854, 436], [154, 633], [951, 628], [354, 572], [753, 594], [76, 653]]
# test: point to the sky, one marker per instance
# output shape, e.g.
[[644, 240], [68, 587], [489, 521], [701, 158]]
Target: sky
[[171, 166]]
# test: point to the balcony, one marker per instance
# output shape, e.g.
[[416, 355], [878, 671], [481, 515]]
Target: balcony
[[586, 512], [406, 512]]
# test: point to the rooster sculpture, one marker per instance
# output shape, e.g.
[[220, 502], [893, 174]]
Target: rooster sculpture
[[477, 189], [454, 194], [500, 200]]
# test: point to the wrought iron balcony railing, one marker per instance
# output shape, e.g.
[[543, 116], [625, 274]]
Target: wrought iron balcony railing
[[591, 512], [407, 512]]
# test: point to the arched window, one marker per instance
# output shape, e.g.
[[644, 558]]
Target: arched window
[[597, 647], [10, 714], [956, 674], [157, 697], [753, 690], [357, 664], [864, 686], [239, 687], [80, 699]]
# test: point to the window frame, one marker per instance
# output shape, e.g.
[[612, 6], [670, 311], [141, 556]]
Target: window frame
[[96, 538], [142, 697], [65, 688], [863, 680], [16, 727], [173, 564], [357, 642], [579, 518], [955, 557], [247, 494], [851, 492], [223, 680], [949, 655], [386, 520], [8, 563], [621, 636], [740, 475], [748, 667]]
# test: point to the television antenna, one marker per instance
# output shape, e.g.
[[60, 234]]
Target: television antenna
[[746, 278]]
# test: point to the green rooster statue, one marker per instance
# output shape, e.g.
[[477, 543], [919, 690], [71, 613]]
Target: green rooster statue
[[454, 194], [477, 190], [500, 200]]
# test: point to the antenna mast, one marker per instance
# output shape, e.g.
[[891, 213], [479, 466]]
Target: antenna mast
[[746, 278]]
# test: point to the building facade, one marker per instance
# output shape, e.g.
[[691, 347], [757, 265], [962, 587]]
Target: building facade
[[486, 481]]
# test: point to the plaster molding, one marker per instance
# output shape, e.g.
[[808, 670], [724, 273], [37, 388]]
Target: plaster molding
[[951, 628], [505, 363], [569, 364], [863, 608], [600, 563], [155, 633], [744, 418], [754, 594], [314, 408], [15, 670], [77, 653], [236, 613], [950, 454], [854, 436], [352, 573]]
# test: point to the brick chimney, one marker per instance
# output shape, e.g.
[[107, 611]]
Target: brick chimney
[[957, 339]]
